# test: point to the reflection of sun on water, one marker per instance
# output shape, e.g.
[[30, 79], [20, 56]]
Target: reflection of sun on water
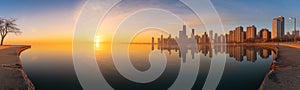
[[97, 42], [97, 39]]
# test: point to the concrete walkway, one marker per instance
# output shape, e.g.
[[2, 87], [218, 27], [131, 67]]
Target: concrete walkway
[[12, 75], [287, 78]]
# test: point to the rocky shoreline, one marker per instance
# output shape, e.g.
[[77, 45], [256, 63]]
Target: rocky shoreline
[[13, 76]]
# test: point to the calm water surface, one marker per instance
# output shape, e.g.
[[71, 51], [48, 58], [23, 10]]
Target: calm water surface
[[50, 67]]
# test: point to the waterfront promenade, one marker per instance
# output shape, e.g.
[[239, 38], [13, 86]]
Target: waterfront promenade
[[13, 76], [287, 76]]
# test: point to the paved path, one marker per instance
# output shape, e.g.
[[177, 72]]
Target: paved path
[[12, 75], [287, 78]]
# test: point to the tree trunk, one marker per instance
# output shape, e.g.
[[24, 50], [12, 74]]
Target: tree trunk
[[2, 39], [3, 35]]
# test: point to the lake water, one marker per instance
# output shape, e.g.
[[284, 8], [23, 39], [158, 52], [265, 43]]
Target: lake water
[[50, 67]]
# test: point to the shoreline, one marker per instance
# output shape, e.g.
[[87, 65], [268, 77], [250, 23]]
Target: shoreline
[[13, 75], [285, 73]]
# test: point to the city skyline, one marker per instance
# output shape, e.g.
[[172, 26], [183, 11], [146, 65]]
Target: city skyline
[[250, 32], [238, 35]]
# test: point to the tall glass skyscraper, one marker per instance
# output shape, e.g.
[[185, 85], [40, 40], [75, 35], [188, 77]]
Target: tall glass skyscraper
[[278, 27]]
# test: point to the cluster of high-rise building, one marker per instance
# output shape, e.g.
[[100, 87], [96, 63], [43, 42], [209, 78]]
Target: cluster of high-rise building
[[238, 35], [183, 38], [278, 30], [250, 35], [234, 36]]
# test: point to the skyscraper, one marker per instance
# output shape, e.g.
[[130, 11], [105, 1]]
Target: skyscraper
[[231, 36], [226, 38], [244, 36], [222, 39], [198, 39], [205, 39], [216, 38], [278, 27], [251, 32], [295, 33], [265, 34], [210, 35], [238, 34], [182, 34], [281, 20], [161, 39], [193, 32]]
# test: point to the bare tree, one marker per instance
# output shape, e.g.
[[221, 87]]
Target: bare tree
[[8, 26]]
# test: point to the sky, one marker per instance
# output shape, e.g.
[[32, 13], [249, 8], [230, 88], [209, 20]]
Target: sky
[[257, 12], [41, 21], [53, 21]]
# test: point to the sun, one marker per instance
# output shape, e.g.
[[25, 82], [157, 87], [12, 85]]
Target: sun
[[97, 39]]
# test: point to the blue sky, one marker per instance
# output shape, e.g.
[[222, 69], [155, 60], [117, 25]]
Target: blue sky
[[232, 12], [12, 8], [257, 12], [41, 19], [54, 19]]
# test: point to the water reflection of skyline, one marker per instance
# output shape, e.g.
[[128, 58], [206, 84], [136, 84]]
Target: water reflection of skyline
[[238, 52], [233, 76]]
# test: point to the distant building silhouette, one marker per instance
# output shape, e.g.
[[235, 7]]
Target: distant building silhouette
[[205, 39], [295, 33], [222, 39], [152, 43], [216, 39], [182, 34], [183, 38], [198, 39], [210, 35]]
